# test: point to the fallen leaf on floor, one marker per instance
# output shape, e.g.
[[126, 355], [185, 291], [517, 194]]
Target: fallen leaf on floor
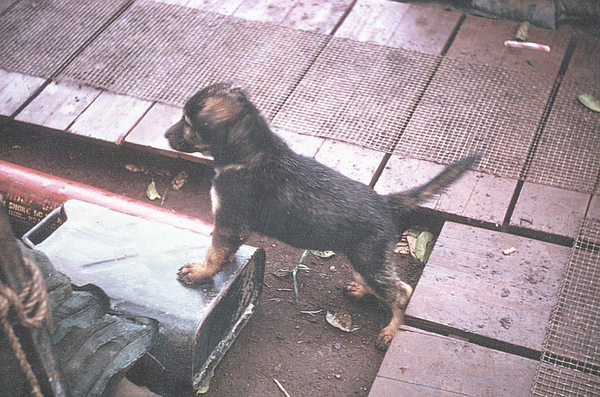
[[322, 254], [341, 320], [523, 31], [151, 191], [590, 102], [180, 180], [416, 242], [424, 246]]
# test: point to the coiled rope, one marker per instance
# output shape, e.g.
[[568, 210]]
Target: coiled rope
[[28, 309]]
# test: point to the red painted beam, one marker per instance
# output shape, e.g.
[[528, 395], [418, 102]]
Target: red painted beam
[[37, 191]]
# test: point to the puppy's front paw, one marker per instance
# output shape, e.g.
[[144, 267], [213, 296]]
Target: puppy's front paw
[[356, 290], [384, 339], [193, 273]]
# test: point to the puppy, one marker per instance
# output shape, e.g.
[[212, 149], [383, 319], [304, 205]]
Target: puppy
[[262, 186]]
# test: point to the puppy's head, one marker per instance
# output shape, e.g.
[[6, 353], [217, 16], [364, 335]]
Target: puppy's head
[[206, 117]]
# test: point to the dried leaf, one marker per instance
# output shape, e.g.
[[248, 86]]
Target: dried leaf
[[523, 31], [341, 320], [180, 180], [134, 168], [151, 191], [590, 102], [323, 254]]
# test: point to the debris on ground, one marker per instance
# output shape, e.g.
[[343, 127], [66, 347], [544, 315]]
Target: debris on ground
[[180, 180], [340, 319], [590, 102], [417, 243], [280, 386], [509, 251], [151, 191], [322, 254], [527, 45], [522, 31], [154, 171]]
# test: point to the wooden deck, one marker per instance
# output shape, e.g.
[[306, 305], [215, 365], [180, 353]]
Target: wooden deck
[[496, 306]]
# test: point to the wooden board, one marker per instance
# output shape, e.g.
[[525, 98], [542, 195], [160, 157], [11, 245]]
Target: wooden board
[[15, 89], [110, 117], [471, 286], [405, 173], [399, 25], [353, 161], [58, 105], [481, 40], [316, 15], [476, 195], [584, 62], [594, 208], [419, 363], [265, 10], [149, 133], [549, 209], [4, 4], [302, 144]]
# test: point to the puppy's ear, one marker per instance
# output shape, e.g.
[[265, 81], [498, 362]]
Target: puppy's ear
[[220, 108]]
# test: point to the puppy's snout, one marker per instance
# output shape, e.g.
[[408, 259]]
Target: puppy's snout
[[176, 137]]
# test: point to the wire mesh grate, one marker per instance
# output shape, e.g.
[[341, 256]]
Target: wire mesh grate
[[477, 108], [38, 37], [166, 53], [568, 153], [571, 351], [358, 92]]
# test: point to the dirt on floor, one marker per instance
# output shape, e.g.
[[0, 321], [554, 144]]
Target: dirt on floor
[[284, 341]]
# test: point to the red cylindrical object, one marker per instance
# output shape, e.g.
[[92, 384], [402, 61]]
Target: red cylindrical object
[[39, 193]]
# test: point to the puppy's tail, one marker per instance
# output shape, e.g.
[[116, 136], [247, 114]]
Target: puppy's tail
[[409, 200]]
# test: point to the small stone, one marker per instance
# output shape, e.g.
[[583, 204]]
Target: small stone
[[338, 376], [337, 345]]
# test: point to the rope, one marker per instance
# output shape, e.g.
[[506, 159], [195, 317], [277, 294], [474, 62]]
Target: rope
[[29, 307]]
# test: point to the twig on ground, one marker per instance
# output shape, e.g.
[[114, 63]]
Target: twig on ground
[[281, 388]]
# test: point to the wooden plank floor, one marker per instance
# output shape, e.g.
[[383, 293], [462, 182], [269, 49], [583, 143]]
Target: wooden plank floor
[[419, 363], [469, 287]]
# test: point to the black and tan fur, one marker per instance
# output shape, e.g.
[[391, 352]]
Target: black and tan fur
[[262, 186]]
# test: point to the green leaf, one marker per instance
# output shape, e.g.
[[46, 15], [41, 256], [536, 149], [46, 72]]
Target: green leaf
[[151, 191], [424, 246], [590, 102], [204, 388]]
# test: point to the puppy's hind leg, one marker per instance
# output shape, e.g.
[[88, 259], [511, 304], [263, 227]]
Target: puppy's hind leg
[[398, 307], [220, 252]]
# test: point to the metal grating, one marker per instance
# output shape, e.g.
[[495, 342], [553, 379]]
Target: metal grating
[[477, 108], [568, 153], [358, 92], [166, 53], [38, 37], [571, 352], [558, 380]]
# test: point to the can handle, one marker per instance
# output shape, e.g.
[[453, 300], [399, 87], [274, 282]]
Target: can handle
[[51, 217]]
